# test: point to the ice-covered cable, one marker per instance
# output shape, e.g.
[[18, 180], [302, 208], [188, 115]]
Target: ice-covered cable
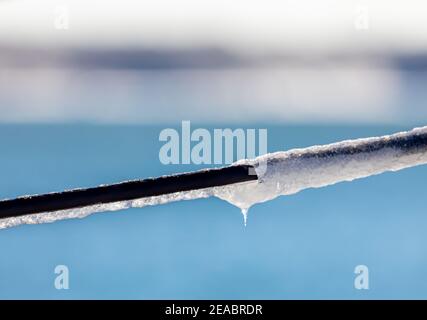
[[283, 173]]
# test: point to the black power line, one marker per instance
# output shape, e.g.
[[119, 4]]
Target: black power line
[[129, 190]]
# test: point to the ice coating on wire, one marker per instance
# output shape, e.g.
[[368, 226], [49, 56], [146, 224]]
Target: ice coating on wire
[[286, 173], [83, 212], [283, 173]]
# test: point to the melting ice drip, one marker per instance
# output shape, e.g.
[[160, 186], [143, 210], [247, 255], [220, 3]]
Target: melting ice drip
[[283, 173]]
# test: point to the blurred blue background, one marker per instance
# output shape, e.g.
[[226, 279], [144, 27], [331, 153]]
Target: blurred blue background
[[301, 246], [87, 86]]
